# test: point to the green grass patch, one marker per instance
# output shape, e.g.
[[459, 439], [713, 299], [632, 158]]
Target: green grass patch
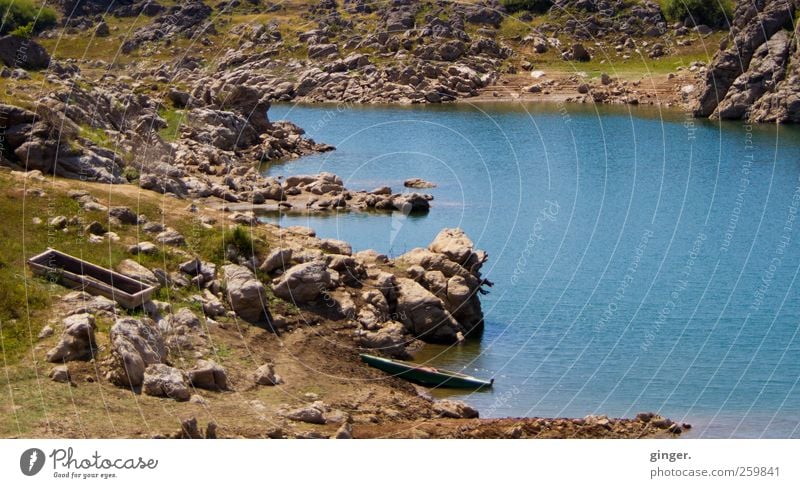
[[711, 12], [174, 118], [25, 18]]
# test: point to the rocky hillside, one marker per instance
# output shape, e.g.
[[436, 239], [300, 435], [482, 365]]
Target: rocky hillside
[[756, 73]]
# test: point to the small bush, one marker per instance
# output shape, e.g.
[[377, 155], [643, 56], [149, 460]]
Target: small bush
[[25, 31], [174, 118], [130, 173], [240, 239], [535, 6], [709, 12], [24, 17]]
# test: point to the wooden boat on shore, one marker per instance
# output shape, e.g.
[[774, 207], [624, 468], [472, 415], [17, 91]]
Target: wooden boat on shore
[[425, 375], [59, 267]]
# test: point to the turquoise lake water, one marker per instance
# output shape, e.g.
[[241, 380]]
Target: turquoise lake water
[[642, 260]]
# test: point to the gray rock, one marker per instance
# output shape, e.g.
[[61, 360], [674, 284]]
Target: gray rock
[[161, 380], [389, 339], [336, 246], [303, 283], [135, 344], [265, 375], [23, 53], [322, 50], [766, 70], [454, 409], [277, 259], [424, 314], [344, 432], [182, 318], [124, 215], [95, 228], [311, 414], [58, 222], [46, 332], [246, 294], [579, 53], [171, 237], [208, 375], [143, 247], [132, 269], [60, 374], [77, 341]]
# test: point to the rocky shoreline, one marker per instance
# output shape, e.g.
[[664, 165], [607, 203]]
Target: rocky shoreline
[[193, 130], [300, 304]]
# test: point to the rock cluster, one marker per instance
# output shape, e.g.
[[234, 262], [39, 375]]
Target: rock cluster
[[439, 301], [755, 74], [186, 18]]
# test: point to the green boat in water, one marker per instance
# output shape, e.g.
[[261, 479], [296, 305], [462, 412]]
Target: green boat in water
[[425, 375]]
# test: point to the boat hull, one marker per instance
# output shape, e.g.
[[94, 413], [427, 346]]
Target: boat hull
[[425, 376]]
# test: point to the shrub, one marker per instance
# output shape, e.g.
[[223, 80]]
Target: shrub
[[240, 239], [710, 12], [536, 6], [130, 173], [25, 17]]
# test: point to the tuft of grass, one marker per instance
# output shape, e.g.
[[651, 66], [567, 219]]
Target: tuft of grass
[[174, 118], [98, 136]]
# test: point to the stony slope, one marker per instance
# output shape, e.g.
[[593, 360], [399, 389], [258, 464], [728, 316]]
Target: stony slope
[[755, 75]]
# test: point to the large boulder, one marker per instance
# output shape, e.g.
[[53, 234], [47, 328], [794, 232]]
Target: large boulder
[[389, 339], [20, 52], [303, 283], [456, 246], [161, 380], [450, 270], [277, 259], [246, 294], [135, 344], [77, 341], [424, 314], [208, 375], [133, 269]]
